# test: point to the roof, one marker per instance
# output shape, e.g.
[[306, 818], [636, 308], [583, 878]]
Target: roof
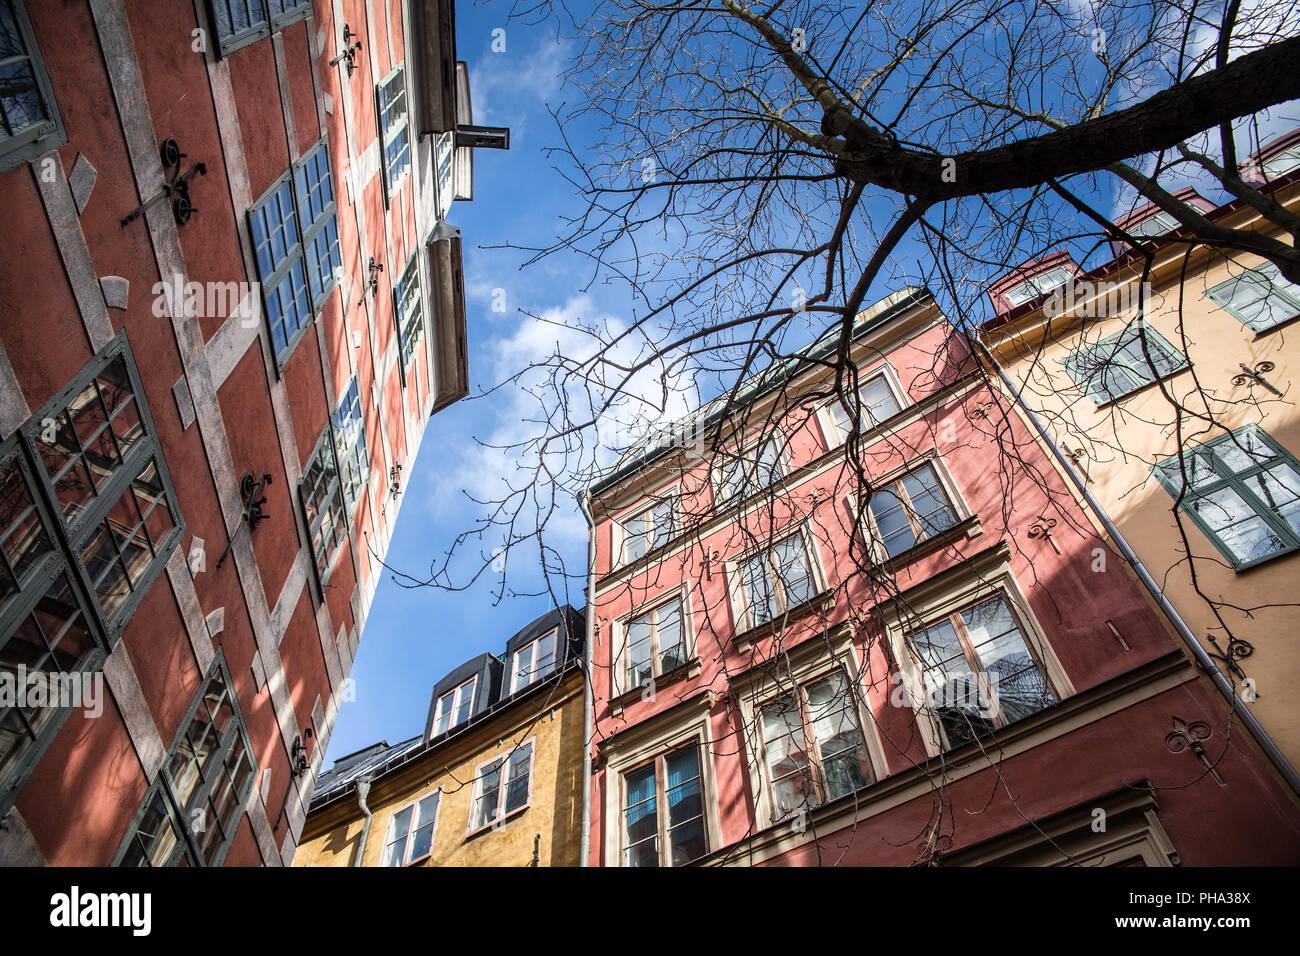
[[755, 387]]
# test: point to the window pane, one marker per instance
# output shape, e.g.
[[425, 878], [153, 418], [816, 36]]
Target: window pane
[[929, 503], [786, 751], [759, 593], [641, 819], [671, 652], [896, 532], [489, 787], [830, 713], [878, 401], [517, 777], [639, 669], [1245, 534], [796, 573]]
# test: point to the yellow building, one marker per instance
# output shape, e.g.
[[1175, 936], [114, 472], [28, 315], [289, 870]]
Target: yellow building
[[494, 780], [1210, 373]]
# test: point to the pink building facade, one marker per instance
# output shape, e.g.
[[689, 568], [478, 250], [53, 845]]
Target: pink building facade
[[898, 642]]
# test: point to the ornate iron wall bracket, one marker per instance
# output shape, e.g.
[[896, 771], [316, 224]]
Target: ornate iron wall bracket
[[349, 51], [1236, 650], [252, 490], [372, 283], [1255, 376], [176, 188], [1187, 736], [298, 753]]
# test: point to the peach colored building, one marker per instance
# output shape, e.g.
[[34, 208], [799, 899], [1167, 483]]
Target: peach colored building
[[1212, 373]]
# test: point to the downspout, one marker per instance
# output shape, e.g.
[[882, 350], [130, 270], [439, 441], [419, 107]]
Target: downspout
[[363, 790], [1206, 662], [588, 692]]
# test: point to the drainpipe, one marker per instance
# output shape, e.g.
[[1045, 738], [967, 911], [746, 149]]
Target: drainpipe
[[363, 790], [1206, 662], [588, 693]]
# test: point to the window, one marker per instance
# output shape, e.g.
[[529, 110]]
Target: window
[[296, 244], [876, 403], [410, 831], [502, 787], [1118, 366], [909, 511], [30, 123], [1037, 285], [776, 580], [648, 529], [814, 750], [408, 312], [241, 22], [750, 471], [191, 812], [1260, 298], [322, 504], [655, 643], [1279, 165], [86, 470], [350, 440], [533, 661], [1155, 225], [393, 130], [454, 707], [978, 671], [1244, 495], [663, 811]]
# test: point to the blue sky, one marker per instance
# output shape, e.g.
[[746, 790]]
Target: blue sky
[[415, 636]]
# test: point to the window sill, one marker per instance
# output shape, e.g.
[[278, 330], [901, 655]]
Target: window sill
[[688, 670], [745, 640], [497, 824], [1261, 333], [1260, 562]]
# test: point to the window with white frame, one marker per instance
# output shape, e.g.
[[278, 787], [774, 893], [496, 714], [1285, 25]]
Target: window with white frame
[[1117, 365], [393, 128], [813, 746], [350, 440], [877, 402], [903, 513], [1259, 298], [655, 643], [410, 831], [777, 579], [1282, 163], [454, 707], [749, 472], [648, 529], [321, 493], [978, 670], [662, 814], [1153, 225], [533, 661], [294, 228], [1037, 285], [502, 787], [408, 312]]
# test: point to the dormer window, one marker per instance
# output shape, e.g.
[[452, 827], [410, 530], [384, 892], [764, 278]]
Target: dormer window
[[454, 707], [533, 661], [1037, 285], [1156, 225], [1278, 166]]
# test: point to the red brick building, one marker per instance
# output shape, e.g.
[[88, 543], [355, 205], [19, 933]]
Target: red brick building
[[229, 305], [875, 626]]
